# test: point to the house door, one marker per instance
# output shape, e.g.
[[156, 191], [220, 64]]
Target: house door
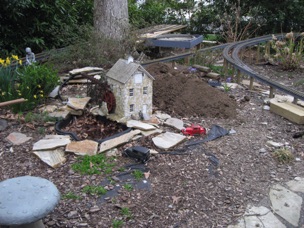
[[144, 109]]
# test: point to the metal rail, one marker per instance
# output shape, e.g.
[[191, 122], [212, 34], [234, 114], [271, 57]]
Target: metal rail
[[235, 60]]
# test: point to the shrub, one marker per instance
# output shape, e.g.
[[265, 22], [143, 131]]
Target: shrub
[[289, 51], [33, 83]]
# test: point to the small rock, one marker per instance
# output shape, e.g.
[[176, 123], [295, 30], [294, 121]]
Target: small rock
[[266, 107], [73, 214]]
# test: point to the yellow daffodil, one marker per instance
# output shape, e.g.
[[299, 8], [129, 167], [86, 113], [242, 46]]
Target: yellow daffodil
[[8, 61], [35, 96], [20, 94], [39, 86], [15, 57], [20, 62], [41, 91], [1, 61], [41, 95]]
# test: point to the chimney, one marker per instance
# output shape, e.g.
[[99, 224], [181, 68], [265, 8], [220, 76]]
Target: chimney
[[130, 59]]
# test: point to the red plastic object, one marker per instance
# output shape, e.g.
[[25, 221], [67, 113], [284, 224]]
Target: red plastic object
[[194, 129]]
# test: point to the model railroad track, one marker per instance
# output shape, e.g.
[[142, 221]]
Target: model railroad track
[[231, 54]]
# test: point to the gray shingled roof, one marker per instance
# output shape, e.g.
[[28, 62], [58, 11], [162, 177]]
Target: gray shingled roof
[[122, 71]]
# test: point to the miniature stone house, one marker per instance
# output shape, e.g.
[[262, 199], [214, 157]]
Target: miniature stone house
[[132, 87]]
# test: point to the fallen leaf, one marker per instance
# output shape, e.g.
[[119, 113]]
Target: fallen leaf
[[147, 174], [31, 126], [175, 199]]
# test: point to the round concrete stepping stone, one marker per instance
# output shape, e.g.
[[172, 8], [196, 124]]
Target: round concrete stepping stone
[[26, 200]]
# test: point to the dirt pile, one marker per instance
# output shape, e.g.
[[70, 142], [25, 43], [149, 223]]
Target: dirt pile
[[179, 91]]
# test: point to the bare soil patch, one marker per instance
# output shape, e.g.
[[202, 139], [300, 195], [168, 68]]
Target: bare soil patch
[[188, 190]]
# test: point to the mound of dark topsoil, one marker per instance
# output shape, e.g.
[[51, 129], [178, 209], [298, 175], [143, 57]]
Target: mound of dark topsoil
[[179, 91]]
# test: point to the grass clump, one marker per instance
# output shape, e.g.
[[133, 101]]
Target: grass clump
[[138, 175], [94, 190], [96, 164], [128, 187], [283, 156], [117, 223], [71, 195], [125, 211]]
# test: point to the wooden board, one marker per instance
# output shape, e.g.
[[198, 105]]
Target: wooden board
[[288, 110]]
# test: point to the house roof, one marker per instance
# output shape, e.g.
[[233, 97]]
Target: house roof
[[123, 71]]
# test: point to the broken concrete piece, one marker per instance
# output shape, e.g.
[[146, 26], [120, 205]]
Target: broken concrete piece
[[162, 116], [112, 153], [48, 108], [151, 132], [175, 123], [78, 103], [111, 143], [49, 144], [286, 203], [17, 138], [53, 158], [64, 114], [57, 137], [85, 147], [139, 125], [74, 112], [167, 140]]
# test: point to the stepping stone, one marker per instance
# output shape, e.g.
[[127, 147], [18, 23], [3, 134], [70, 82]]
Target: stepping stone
[[167, 140], [111, 143], [175, 123], [17, 138], [85, 147], [25, 200], [151, 132], [286, 204], [49, 144], [140, 125], [296, 185], [53, 158]]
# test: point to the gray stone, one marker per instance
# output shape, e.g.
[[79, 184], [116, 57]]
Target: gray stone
[[85, 147], [48, 144], [53, 158], [17, 138], [84, 69], [140, 125], [162, 116], [3, 124], [296, 185], [26, 199], [286, 203], [78, 103], [54, 93], [168, 140], [111, 143], [275, 144], [151, 132], [240, 224], [175, 123]]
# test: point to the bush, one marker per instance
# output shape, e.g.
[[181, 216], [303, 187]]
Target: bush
[[288, 52], [33, 83]]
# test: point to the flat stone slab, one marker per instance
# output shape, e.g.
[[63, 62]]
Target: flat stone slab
[[78, 103], [151, 132], [296, 185], [17, 138], [54, 93], [167, 140], [111, 143], [49, 144], [175, 123], [162, 116], [26, 199], [286, 204], [53, 158], [84, 69], [140, 125], [85, 147]]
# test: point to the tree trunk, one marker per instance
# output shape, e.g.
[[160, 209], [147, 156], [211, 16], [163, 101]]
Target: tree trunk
[[111, 18]]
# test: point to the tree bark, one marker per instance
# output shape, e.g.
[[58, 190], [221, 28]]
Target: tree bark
[[111, 18]]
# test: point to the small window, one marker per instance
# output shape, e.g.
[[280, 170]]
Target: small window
[[132, 108], [145, 90], [131, 92]]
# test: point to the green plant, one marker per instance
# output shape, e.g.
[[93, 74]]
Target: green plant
[[288, 51], [226, 87], [41, 118], [93, 164], [283, 155], [71, 195], [138, 175], [94, 190], [125, 211], [41, 130], [128, 187], [117, 223]]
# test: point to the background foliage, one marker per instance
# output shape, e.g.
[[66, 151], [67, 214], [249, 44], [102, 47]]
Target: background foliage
[[47, 24]]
